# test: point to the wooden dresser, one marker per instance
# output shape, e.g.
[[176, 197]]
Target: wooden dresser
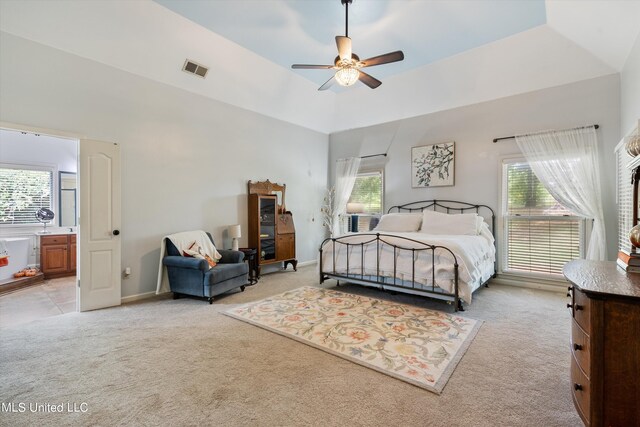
[[605, 343]]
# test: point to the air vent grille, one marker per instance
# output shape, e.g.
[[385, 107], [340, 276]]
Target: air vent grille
[[192, 67]]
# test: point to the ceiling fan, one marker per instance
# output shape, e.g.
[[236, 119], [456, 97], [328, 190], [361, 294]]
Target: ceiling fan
[[348, 65]]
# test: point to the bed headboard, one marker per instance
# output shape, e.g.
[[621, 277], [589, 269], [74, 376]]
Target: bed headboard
[[450, 207]]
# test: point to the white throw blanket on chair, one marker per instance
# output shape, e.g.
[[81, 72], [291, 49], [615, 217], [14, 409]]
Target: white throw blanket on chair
[[183, 241]]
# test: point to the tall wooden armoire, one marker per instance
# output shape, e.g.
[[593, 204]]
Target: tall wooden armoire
[[271, 229]]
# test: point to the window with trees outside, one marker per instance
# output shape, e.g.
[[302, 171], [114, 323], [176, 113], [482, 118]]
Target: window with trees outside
[[367, 191], [22, 193], [540, 235]]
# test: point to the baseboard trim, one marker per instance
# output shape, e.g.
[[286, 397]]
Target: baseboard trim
[[545, 285], [137, 297], [306, 263], [152, 294]]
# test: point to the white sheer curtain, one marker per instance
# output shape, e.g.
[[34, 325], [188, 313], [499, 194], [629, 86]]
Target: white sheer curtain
[[567, 164], [346, 171]]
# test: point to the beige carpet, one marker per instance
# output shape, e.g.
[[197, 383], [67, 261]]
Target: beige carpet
[[181, 362], [413, 344]]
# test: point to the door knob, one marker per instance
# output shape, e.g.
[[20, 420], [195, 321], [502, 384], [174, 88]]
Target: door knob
[[116, 232]]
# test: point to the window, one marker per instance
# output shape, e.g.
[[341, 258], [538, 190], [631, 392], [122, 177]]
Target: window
[[624, 198], [22, 192], [367, 192], [540, 234]]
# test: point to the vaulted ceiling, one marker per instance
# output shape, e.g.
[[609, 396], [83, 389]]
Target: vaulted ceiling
[[457, 52]]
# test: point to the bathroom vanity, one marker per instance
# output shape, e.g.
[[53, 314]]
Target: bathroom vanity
[[58, 255]]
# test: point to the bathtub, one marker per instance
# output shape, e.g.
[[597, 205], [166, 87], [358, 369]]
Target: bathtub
[[19, 252]]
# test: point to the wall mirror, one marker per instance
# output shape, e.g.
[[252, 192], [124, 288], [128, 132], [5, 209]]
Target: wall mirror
[[67, 199]]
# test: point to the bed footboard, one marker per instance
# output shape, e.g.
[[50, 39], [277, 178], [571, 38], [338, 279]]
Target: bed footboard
[[358, 259]]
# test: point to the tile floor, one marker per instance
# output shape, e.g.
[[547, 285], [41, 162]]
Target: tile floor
[[50, 298]]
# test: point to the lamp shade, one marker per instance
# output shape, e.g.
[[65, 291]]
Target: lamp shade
[[235, 231], [355, 207]]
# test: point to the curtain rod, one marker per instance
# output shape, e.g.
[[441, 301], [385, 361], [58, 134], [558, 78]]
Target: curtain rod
[[374, 155], [513, 137]]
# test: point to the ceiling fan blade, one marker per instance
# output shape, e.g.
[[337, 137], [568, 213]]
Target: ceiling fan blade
[[384, 59], [310, 66], [372, 82], [344, 47], [328, 83]]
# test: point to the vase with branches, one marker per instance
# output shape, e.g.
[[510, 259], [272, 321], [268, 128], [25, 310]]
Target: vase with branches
[[328, 209]]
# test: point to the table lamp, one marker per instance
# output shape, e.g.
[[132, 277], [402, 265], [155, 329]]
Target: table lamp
[[235, 233], [355, 208]]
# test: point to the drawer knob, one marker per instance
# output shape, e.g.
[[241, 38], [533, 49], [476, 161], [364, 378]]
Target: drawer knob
[[570, 288], [569, 305], [568, 294], [577, 347], [578, 307], [577, 386]]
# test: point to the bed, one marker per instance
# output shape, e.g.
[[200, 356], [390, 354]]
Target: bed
[[442, 249]]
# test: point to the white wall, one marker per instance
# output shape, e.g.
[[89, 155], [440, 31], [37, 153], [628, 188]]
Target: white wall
[[186, 159], [147, 39], [478, 159], [527, 61], [630, 90], [43, 150]]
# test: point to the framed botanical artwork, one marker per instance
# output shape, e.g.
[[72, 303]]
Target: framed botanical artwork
[[433, 165]]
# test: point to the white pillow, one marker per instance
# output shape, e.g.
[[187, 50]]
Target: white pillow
[[406, 222], [453, 224], [486, 233], [480, 223]]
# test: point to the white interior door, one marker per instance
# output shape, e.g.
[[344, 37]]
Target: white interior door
[[99, 235]]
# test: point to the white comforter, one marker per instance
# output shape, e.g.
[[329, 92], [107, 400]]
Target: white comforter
[[475, 255]]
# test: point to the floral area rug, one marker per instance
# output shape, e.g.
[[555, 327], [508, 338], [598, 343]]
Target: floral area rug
[[413, 344]]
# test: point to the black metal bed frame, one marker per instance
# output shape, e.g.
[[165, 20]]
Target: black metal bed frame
[[393, 283]]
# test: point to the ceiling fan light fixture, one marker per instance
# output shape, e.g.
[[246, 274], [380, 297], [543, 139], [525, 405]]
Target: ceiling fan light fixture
[[347, 76], [347, 64]]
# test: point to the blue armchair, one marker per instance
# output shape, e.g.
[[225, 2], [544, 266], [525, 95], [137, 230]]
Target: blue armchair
[[192, 276]]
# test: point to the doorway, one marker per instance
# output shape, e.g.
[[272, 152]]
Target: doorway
[[93, 245], [38, 226]]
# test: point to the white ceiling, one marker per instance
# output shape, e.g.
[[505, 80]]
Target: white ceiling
[[287, 32], [457, 51]]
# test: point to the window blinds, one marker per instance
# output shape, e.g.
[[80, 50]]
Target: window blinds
[[542, 245], [22, 193], [541, 234], [624, 198]]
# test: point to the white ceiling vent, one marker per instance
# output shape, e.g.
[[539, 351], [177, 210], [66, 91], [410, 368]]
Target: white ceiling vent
[[194, 68]]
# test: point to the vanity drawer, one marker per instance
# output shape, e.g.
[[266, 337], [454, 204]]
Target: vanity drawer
[[57, 239], [580, 348], [582, 310], [581, 390]]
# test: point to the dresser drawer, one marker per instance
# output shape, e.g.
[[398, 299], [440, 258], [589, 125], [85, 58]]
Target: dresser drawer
[[582, 310], [581, 348], [581, 390], [53, 240]]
